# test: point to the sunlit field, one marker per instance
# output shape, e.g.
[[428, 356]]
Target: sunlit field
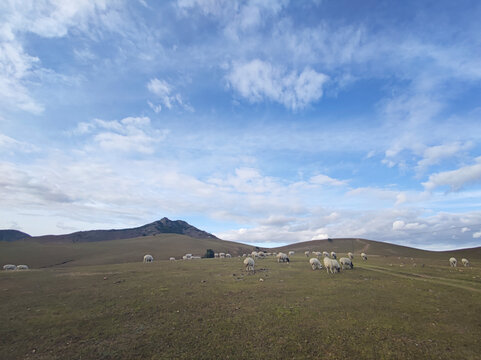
[[385, 308]]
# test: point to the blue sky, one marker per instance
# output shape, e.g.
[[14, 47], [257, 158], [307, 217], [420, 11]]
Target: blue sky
[[264, 122]]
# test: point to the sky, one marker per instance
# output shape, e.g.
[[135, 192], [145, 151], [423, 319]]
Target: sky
[[264, 122]]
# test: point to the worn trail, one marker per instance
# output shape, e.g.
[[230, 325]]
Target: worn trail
[[425, 278]]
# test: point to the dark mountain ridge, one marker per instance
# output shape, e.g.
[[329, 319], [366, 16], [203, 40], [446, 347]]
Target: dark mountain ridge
[[12, 235], [163, 226]]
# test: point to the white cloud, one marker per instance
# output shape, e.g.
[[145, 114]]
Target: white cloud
[[465, 229], [258, 80], [401, 225], [435, 154], [163, 90], [19, 70], [131, 134], [477, 235], [11, 145], [455, 179], [326, 180]]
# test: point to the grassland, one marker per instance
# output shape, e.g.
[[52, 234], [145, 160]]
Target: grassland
[[41, 254], [386, 308]]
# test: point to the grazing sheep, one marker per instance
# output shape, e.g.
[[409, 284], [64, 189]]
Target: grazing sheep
[[254, 254], [9, 267], [350, 255], [333, 255], [222, 255], [465, 262], [346, 263], [325, 254], [306, 253], [291, 253], [249, 263], [261, 254], [228, 256], [453, 262], [216, 255], [364, 256], [22, 267], [172, 259], [315, 263], [148, 258], [281, 257], [331, 265]]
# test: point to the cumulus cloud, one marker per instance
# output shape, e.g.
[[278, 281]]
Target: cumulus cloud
[[258, 81], [455, 179], [401, 225], [477, 235]]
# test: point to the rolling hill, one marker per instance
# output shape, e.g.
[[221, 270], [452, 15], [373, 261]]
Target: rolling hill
[[166, 238], [12, 235]]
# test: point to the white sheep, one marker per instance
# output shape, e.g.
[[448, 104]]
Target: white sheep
[[350, 255], [249, 263], [291, 253], [261, 254], [22, 267], [364, 256], [465, 261], [333, 255], [346, 263], [331, 265], [244, 255], [228, 256], [148, 258], [222, 255], [9, 267], [315, 263], [254, 254], [325, 254], [453, 262], [306, 253], [216, 255], [172, 259], [281, 257]]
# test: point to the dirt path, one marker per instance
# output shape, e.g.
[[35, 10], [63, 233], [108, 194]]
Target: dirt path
[[425, 278]]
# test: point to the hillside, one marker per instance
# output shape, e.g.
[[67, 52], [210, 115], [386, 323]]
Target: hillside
[[371, 247], [12, 235], [162, 246], [163, 226]]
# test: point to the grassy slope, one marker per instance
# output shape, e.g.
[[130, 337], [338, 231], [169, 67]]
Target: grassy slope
[[208, 309], [370, 247], [44, 254]]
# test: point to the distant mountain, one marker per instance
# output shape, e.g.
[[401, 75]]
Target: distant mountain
[[163, 226], [12, 235]]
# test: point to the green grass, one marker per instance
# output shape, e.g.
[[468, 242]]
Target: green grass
[[213, 309]]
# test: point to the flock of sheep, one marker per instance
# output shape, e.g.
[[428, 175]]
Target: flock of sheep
[[15, 267], [330, 260], [453, 262]]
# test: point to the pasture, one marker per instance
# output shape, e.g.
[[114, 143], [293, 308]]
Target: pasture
[[214, 309]]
